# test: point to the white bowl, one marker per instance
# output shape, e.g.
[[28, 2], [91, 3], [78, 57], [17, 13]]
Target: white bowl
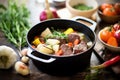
[[85, 13], [111, 48]]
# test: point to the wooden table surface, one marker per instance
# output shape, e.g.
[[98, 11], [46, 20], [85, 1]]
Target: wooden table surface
[[36, 74]]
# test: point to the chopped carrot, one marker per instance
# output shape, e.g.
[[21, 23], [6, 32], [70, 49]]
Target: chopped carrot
[[76, 41], [59, 52], [33, 46], [112, 41], [70, 44]]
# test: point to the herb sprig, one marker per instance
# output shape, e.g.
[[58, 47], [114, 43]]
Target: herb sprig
[[14, 22]]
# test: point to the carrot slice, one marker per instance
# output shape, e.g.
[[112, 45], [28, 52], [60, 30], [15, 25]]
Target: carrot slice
[[59, 52], [112, 41], [70, 44], [76, 41]]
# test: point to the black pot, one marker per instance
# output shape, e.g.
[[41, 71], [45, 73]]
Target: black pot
[[60, 65]]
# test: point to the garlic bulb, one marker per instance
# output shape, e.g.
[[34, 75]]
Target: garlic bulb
[[7, 57]]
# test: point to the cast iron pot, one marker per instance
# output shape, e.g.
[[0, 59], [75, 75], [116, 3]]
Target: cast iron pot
[[60, 65]]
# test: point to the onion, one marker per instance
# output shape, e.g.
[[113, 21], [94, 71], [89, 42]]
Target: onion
[[116, 26], [22, 68], [117, 35]]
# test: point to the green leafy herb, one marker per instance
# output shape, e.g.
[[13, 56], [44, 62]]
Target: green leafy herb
[[14, 23], [57, 34]]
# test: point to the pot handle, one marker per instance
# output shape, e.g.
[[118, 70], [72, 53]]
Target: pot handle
[[50, 60], [93, 23]]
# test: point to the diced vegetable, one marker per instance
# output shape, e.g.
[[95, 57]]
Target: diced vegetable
[[52, 41], [89, 44], [70, 44], [76, 42], [60, 52], [68, 31], [56, 47], [44, 49], [36, 41], [46, 32]]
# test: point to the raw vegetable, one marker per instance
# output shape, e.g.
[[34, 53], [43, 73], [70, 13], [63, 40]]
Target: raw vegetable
[[109, 12], [107, 63], [7, 57], [116, 26], [117, 7], [14, 23], [105, 5], [110, 9], [112, 41], [117, 35], [24, 59], [106, 34], [24, 52], [48, 13], [22, 68]]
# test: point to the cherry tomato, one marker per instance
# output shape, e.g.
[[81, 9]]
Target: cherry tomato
[[116, 26], [117, 8], [105, 5], [109, 12], [106, 34]]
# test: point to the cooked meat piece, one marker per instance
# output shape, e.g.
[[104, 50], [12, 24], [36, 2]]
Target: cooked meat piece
[[62, 41], [66, 49], [42, 39], [72, 37], [80, 47]]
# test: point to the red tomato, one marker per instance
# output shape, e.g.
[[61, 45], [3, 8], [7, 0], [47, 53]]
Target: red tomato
[[106, 34], [105, 5], [109, 12], [117, 8]]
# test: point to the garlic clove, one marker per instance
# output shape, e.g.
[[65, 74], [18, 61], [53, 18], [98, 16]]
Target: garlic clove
[[25, 59]]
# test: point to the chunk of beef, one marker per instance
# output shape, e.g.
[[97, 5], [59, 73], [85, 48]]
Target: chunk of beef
[[80, 47], [66, 49], [72, 37], [62, 41]]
